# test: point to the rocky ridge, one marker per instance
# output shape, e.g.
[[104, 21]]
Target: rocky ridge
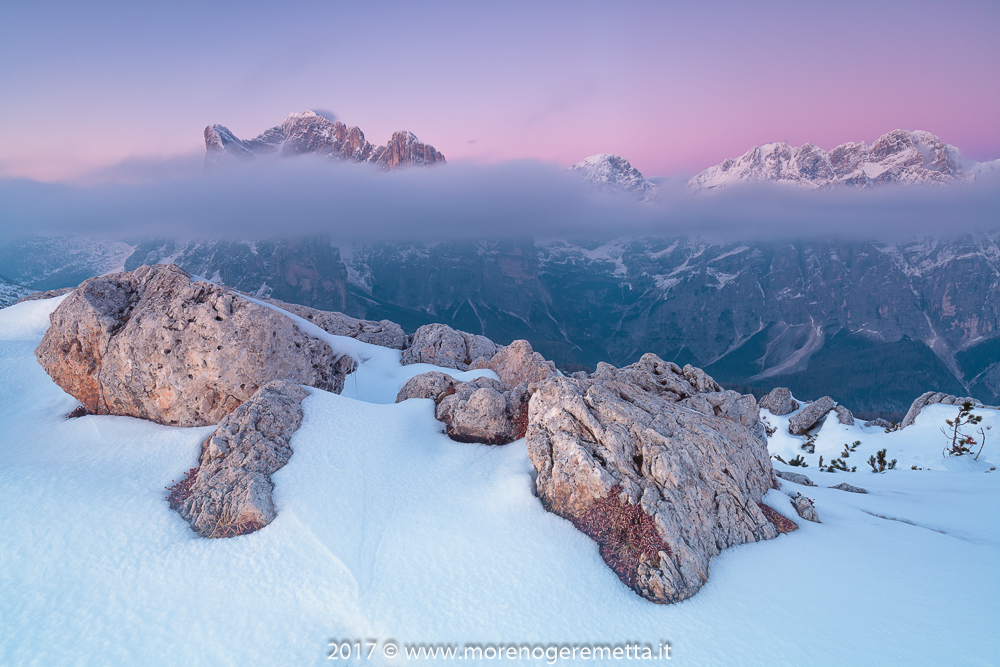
[[309, 133], [899, 156]]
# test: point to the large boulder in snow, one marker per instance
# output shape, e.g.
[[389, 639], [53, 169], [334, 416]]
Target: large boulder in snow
[[230, 492], [810, 415], [441, 345], [660, 487], [483, 410], [779, 401], [518, 364], [384, 333], [934, 398], [156, 344]]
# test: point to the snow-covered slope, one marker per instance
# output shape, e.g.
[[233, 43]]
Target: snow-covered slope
[[389, 531], [900, 156], [10, 292], [613, 173]]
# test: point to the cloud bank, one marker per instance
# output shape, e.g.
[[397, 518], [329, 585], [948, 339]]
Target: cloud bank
[[352, 203]]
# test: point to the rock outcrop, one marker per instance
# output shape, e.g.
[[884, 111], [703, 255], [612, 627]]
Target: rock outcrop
[[230, 493], [517, 364], [810, 415], [795, 477], [384, 333], [805, 508], [934, 398], [156, 344], [441, 345], [844, 415], [844, 486], [660, 487], [779, 401]]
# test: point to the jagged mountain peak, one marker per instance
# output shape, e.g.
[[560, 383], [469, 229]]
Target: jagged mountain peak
[[310, 133], [900, 156], [613, 173]]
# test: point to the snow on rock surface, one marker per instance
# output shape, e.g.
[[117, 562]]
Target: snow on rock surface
[[899, 156], [388, 529], [156, 344], [613, 173]]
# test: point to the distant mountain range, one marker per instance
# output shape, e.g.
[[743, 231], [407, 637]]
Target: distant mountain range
[[872, 324], [897, 157], [309, 133]]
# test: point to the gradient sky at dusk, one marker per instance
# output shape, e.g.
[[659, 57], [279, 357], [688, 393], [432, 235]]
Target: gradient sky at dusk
[[674, 87]]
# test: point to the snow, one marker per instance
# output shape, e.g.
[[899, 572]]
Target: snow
[[388, 529]]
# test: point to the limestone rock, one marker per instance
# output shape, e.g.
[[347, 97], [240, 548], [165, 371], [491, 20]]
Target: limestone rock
[[517, 364], [810, 416], [844, 415], [798, 478], [805, 508], [426, 385], [47, 294], [485, 411], [679, 485], [441, 345], [933, 398], [844, 486], [779, 401], [384, 333], [231, 491], [155, 344], [878, 421]]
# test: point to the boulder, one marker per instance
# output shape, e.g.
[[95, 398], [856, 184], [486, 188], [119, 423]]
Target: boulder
[[661, 488], [485, 411], [810, 415], [426, 385], [844, 415], [517, 364], [230, 491], [933, 398], [384, 333], [844, 486], [878, 421], [795, 477], [441, 345], [805, 508], [779, 402], [155, 344]]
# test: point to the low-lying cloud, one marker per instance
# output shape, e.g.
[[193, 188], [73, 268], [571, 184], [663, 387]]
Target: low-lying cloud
[[353, 203]]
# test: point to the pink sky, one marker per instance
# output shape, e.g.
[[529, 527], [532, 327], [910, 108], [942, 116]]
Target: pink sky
[[673, 87]]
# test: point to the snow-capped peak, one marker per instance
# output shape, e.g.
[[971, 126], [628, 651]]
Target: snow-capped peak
[[613, 173], [900, 156]]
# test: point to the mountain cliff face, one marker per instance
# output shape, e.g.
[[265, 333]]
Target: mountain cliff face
[[309, 133], [613, 173], [897, 157], [872, 324]]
